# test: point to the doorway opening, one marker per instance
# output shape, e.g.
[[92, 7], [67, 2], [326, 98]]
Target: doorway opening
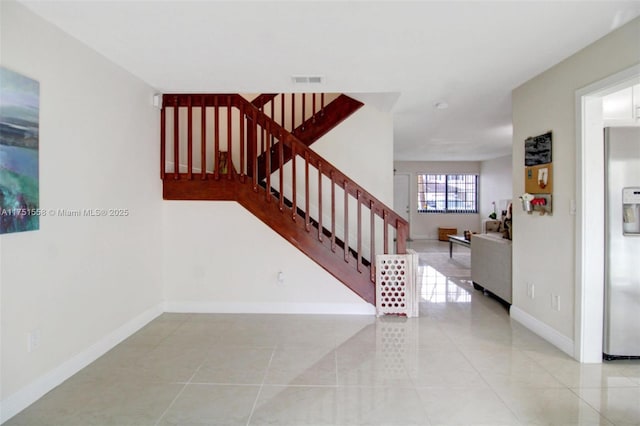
[[590, 223], [401, 196]]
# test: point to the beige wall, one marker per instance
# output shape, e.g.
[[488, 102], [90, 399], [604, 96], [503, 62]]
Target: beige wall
[[425, 225], [78, 279], [496, 184], [544, 246]]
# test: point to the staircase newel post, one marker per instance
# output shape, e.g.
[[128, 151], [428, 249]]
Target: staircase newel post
[[401, 237], [372, 255], [385, 221]]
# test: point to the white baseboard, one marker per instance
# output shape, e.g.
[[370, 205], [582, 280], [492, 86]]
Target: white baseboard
[[543, 330], [26, 396], [270, 308], [20, 400]]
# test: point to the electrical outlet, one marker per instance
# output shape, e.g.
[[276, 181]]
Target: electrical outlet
[[280, 277], [33, 340], [531, 290]]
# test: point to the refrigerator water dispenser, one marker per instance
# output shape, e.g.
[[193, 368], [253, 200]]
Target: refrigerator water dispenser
[[631, 211]]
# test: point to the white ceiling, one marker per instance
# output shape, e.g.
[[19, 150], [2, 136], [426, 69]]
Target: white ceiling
[[405, 56]]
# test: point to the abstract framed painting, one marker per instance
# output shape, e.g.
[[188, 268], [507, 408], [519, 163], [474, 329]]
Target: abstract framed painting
[[19, 152]]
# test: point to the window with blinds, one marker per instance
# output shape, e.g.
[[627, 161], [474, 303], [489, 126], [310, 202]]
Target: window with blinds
[[438, 193]]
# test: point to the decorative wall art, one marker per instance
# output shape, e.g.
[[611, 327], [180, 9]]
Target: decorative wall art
[[538, 173], [19, 144]]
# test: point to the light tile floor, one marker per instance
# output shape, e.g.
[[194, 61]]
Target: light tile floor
[[463, 362]]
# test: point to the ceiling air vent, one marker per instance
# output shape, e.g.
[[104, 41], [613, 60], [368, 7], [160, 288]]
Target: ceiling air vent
[[307, 79]]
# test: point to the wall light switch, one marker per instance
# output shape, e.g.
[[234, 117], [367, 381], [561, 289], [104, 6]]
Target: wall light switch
[[531, 290], [33, 340], [555, 302]]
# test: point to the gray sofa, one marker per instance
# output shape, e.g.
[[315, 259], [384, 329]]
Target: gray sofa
[[491, 265]]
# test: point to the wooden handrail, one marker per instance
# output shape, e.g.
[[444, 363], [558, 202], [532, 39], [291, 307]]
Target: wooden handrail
[[290, 141], [329, 170], [257, 194], [263, 99]]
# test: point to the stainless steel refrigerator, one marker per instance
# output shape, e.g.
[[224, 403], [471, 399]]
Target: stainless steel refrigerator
[[622, 243]]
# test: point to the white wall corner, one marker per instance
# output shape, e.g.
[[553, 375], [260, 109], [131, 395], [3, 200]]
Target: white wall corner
[[20, 400], [543, 330]]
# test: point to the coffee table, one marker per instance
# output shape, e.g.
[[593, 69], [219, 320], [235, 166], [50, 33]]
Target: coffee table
[[457, 239]]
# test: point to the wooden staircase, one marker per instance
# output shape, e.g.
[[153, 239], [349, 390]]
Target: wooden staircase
[[212, 148], [313, 128]]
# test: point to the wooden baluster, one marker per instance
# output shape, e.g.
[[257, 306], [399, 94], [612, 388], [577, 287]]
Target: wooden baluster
[[313, 101], [293, 112], [319, 201], [229, 139], [273, 108], [333, 212], [203, 139], [268, 163], [385, 217], [189, 139], [216, 145], [242, 154], [372, 272], [294, 196], [176, 142], [163, 141], [254, 146], [307, 213], [359, 244], [304, 102], [281, 171], [346, 222], [282, 98], [322, 102]]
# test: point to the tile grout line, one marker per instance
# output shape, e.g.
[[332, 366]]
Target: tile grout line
[[489, 386], [264, 378], [594, 408], [164, 413]]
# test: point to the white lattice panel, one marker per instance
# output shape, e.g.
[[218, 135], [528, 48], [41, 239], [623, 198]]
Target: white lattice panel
[[396, 291]]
